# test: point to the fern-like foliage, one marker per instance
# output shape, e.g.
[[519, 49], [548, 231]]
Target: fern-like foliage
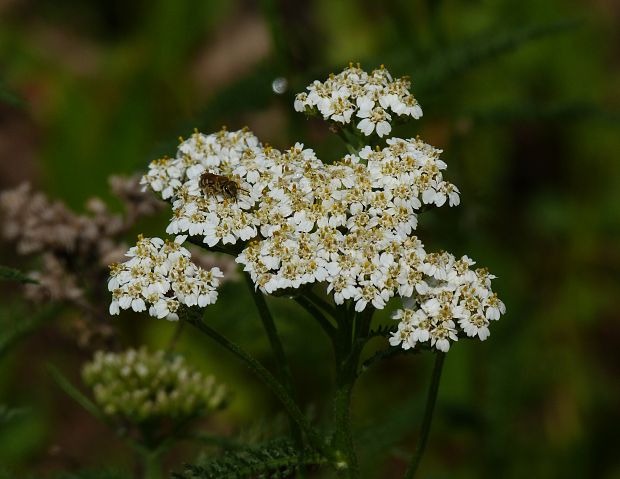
[[452, 61], [10, 274], [277, 459]]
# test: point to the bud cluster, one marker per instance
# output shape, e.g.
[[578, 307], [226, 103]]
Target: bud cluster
[[140, 386]]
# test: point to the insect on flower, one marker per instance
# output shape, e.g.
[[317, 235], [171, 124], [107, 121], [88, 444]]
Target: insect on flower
[[212, 184]]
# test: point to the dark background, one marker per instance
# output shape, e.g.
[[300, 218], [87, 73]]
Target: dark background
[[522, 96]]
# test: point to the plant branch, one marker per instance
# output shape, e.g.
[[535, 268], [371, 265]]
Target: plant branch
[[321, 303], [276, 346], [428, 415], [325, 323], [270, 381], [174, 339]]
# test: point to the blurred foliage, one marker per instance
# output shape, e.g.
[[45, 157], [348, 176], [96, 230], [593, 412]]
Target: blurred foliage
[[12, 274], [523, 97]]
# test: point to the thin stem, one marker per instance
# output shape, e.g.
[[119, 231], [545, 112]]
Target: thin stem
[[276, 345], [428, 415], [174, 339], [270, 329], [321, 303], [152, 465], [270, 381], [327, 326]]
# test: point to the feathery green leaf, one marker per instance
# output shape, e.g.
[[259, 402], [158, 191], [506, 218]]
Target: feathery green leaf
[[452, 61], [274, 459], [11, 274]]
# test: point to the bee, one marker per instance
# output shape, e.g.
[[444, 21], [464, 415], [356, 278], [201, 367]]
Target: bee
[[212, 184]]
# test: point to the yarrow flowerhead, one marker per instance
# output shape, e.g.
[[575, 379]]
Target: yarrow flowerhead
[[452, 301], [349, 225], [139, 386], [369, 100], [161, 275]]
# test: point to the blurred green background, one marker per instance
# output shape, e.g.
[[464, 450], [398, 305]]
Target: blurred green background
[[522, 96]]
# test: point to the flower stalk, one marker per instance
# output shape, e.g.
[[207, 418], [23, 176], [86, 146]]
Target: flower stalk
[[195, 319], [278, 351], [431, 399]]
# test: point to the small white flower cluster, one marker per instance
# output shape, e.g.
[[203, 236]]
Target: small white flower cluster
[[263, 174], [160, 274], [373, 98], [451, 301], [140, 386], [166, 175]]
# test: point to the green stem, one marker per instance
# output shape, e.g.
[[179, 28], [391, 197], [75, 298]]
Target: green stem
[[152, 465], [174, 339], [270, 381], [327, 326], [346, 463], [428, 415], [321, 303], [276, 345], [270, 329], [349, 348]]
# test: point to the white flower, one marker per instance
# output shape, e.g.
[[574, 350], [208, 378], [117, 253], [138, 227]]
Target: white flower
[[377, 118], [455, 299], [354, 92], [159, 273]]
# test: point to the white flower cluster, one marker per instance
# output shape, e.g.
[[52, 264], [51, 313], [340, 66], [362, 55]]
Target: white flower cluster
[[166, 175], [353, 232], [373, 98], [141, 386], [450, 300], [349, 225], [160, 274], [343, 224]]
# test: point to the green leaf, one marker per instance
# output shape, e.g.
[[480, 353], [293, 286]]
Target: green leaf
[[8, 414], [11, 274], [274, 459], [77, 395], [450, 62]]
